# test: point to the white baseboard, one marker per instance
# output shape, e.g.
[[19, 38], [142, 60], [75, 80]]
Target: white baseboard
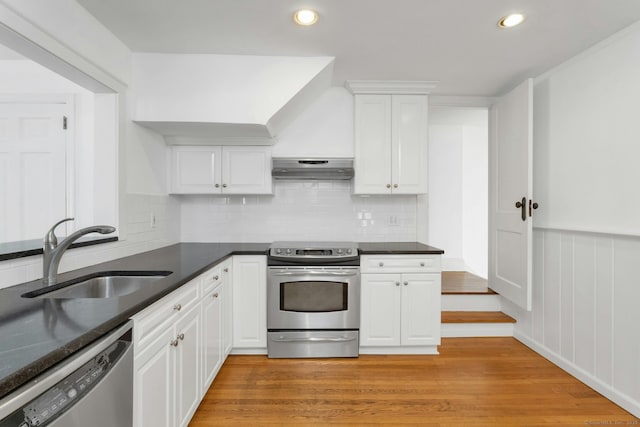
[[257, 350], [468, 330], [606, 390]]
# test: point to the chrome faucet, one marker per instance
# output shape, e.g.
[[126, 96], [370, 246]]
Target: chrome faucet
[[53, 252]]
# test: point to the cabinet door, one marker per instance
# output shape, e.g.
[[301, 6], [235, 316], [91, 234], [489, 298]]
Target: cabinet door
[[227, 308], [250, 302], [421, 309], [409, 144], [246, 170], [211, 336], [153, 383], [372, 160], [380, 310], [187, 366], [196, 170]]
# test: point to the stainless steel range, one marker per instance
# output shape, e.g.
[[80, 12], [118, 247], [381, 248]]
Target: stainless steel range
[[313, 299]]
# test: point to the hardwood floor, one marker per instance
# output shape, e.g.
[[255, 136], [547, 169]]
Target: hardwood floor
[[474, 381]]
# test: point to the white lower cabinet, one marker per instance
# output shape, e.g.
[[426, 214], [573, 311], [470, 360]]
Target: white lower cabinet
[[400, 312], [250, 304], [180, 343], [166, 366]]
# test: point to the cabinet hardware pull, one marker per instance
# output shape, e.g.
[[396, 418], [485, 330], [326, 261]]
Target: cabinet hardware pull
[[388, 185], [422, 264], [224, 185], [215, 295], [181, 337], [522, 206], [217, 185], [174, 343], [381, 264], [226, 270], [395, 185], [406, 283], [397, 283], [177, 307], [215, 277]]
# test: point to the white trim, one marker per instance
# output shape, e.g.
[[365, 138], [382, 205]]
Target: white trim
[[606, 390], [462, 101], [215, 140], [467, 302], [473, 330], [607, 233], [388, 87], [256, 350]]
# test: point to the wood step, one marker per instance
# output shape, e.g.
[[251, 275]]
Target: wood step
[[476, 317], [464, 283]]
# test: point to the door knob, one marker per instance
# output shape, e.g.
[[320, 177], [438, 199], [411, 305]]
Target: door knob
[[523, 208], [388, 185]]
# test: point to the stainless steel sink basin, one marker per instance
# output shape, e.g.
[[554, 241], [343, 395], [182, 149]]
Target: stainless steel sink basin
[[101, 285]]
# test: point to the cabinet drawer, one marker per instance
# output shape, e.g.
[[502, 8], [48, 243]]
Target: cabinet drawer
[[400, 264], [168, 309], [211, 279]]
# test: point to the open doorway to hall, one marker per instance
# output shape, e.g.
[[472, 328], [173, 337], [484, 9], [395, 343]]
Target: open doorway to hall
[[458, 195]]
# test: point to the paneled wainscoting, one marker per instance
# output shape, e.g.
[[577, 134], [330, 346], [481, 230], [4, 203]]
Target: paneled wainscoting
[[586, 309]]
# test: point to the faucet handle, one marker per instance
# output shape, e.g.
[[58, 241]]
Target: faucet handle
[[50, 238]]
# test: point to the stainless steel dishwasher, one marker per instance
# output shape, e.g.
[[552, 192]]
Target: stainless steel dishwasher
[[92, 388]]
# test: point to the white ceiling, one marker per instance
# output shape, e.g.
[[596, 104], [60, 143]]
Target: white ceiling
[[379, 39]]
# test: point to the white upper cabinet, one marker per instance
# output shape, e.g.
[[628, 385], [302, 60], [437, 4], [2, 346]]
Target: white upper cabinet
[[391, 137], [390, 144], [220, 170]]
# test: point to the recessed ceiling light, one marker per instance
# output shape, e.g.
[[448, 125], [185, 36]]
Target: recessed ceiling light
[[511, 20], [305, 17]]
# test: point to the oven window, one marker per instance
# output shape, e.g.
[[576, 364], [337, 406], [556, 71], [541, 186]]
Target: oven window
[[313, 297]]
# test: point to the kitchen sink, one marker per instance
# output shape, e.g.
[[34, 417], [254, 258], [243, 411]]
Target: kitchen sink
[[101, 285]]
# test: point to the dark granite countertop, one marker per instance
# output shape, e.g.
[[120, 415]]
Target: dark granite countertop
[[38, 333], [390, 248]]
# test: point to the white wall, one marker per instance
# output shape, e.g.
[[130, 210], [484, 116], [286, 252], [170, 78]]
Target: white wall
[[302, 210], [585, 313], [458, 197]]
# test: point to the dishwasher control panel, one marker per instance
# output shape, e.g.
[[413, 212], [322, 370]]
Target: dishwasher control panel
[[55, 401]]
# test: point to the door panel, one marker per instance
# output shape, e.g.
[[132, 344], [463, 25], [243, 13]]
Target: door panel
[[246, 170], [421, 309], [187, 366], [196, 170], [409, 144], [380, 320], [510, 180], [372, 144]]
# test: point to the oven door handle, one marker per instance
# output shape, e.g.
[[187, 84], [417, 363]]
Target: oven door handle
[[315, 273], [314, 339]]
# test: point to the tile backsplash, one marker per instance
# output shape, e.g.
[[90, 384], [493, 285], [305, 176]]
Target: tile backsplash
[[299, 210]]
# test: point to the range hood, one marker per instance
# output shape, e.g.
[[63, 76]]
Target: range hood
[[312, 168]]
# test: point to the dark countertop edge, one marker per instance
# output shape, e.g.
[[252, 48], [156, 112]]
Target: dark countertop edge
[[398, 248], [15, 254], [32, 372]]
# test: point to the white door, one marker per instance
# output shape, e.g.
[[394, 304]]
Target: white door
[[187, 366], [420, 309], [372, 144], [33, 169], [211, 336], [196, 170], [409, 144], [250, 301], [510, 184], [246, 170], [380, 310]]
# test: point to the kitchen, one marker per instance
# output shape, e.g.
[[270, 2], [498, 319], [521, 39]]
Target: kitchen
[[141, 191]]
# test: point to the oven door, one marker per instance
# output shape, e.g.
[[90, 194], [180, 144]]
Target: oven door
[[302, 298]]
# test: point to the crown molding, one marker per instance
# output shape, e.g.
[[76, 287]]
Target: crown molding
[[389, 87]]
